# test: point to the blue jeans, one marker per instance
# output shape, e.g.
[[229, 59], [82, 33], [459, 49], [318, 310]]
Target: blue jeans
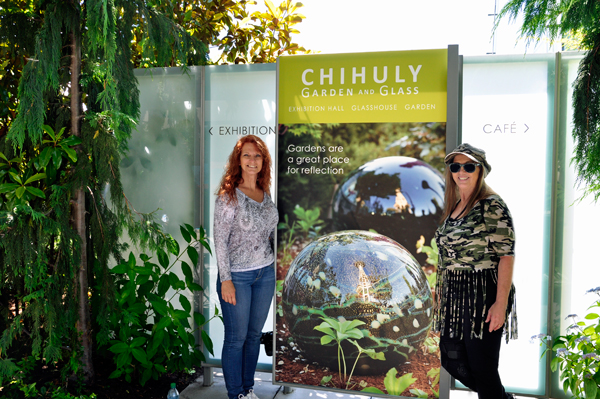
[[244, 322]]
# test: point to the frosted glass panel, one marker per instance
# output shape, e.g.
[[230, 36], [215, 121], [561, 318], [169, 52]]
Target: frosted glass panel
[[157, 173], [239, 100], [505, 112], [579, 235], [576, 270], [158, 169]]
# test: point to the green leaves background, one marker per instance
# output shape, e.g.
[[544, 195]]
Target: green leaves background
[[152, 335]]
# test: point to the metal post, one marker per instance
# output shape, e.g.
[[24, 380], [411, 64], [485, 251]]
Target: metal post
[[453, 137], [287, 390], [209, 378], [454, 103], [445, 384]]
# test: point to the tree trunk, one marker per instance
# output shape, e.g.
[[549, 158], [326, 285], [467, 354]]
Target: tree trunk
[[78, 216]]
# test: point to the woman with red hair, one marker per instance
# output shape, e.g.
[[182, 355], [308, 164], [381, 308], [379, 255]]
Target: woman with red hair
[[244, 230]]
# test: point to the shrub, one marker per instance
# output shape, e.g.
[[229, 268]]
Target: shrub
[[150, 335]]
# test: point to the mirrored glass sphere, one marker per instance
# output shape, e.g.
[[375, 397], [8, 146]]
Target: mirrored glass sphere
[[399, 197], [365, 286]]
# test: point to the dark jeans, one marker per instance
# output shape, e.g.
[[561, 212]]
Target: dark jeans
[[474, 362], [243, 326]]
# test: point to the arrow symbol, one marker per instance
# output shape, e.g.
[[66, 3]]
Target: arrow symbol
[[526, 127], [211, 128]]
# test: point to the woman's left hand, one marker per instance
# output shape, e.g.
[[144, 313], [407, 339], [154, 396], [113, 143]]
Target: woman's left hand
[[496, 316]]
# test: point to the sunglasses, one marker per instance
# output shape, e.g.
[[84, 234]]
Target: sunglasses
[[467, 167]]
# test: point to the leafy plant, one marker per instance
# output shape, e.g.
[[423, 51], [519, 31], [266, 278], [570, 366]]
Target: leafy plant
[[419, 393], [431, 252], [17, 178], [20, 384], [52, 392], [16, 182], [578, 354], [151, 336], [339, 331], [278, 293], [325, 380], [434, 376], [393, 385], [57, 147], [431, 345], [396, 385], [369, 352], [308, 220]]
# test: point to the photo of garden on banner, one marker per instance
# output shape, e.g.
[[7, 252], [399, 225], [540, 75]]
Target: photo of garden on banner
[[360, 191]]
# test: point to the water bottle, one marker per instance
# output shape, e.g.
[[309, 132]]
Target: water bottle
[[173, 394]]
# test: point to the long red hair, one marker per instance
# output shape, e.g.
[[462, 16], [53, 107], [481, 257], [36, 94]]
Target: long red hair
[[232, 177]]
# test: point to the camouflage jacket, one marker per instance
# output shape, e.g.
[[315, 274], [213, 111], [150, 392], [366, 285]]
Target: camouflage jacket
[[469, 253]]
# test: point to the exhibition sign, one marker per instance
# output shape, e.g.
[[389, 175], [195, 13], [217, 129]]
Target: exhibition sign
[[361, 143]]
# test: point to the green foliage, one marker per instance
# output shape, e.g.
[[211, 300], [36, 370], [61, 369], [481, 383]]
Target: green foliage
[[419, 393], [68, 103], [434, 377], [432, 258], [39, 251], [586, 121], [308, 221], [577, 354], [262, 36], [151, 335], [431, 345], [556, 18], [325, 380], [47, 158], [238, 35], [18, 24], [278, 294], [37, 257], [369, 352], [431, 252], [396, 385], [552, 18], [22, 383], [18, 175], [339, 331], [50, 392]]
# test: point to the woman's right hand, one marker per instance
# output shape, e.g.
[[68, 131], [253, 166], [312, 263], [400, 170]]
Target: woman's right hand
[[228, 292]]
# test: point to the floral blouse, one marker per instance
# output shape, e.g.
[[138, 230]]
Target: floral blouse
[[243, 233]]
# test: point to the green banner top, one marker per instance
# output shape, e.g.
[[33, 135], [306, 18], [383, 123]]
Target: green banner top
[[394, 86]]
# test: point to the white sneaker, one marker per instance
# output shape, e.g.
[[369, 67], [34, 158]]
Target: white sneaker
[[240, 396], [251, 394]]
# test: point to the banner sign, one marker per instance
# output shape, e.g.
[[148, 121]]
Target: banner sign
[[407, 86], [361, 143]]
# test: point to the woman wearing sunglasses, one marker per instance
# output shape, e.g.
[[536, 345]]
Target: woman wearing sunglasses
[[475, 297]]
